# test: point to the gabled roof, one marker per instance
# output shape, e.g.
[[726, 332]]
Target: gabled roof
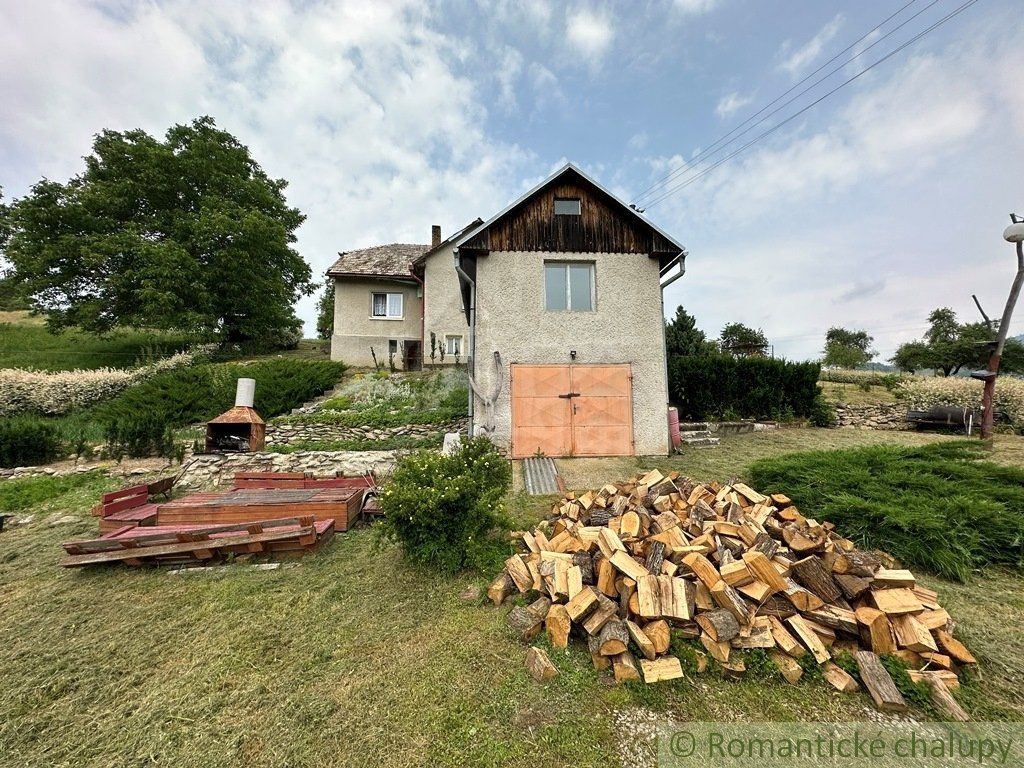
[[393, 260], [448, 241], [567, 168]]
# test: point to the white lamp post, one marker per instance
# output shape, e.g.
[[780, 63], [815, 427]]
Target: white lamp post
[[1012, 234]]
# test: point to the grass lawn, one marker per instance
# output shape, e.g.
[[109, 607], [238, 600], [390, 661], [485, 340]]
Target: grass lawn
[[353, 657], [854, 394], [25, 343]]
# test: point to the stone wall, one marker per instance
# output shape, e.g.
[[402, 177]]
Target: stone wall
[[880, 416], [212, 469], [286, 434]]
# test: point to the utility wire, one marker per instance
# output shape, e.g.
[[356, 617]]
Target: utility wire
[[914, 39], [710, 149]]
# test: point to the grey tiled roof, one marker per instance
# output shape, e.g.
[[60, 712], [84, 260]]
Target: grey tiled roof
[[390, 260]]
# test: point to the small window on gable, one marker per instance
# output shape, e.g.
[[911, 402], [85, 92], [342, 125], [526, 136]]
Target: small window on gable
[[565, 206]]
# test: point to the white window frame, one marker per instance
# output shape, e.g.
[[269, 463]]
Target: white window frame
[[387, 305], [452, 337], [568, 284]]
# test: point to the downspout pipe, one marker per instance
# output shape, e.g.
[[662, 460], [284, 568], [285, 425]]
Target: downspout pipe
[[471, 363]]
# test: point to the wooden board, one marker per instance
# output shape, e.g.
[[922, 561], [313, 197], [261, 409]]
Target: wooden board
[[253, 504]]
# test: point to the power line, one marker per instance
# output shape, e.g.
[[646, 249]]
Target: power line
[[814, 103], [711, 148]]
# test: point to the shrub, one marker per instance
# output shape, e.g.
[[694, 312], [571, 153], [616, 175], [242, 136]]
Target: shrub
[[444, 511], [703, 386], [27, 441], [855, 376], [935, 507], [145, 434]]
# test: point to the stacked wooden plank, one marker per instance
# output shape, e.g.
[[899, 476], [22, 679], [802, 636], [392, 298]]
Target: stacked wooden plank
[[166, 545], [629, 565]]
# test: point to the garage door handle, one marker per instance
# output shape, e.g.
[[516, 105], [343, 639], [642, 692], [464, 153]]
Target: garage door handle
[[570, 395]]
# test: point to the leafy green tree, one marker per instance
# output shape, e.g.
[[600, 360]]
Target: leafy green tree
[[846, 348], [186, 233], [5, 223], [683, 337], [743, 341], [949, 346], [325, 311]]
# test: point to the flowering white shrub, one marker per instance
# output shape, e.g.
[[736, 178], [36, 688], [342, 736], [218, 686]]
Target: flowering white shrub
[[54, 393], [922, 392]]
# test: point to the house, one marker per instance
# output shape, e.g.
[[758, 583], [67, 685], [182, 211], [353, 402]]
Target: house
[[555, 305]]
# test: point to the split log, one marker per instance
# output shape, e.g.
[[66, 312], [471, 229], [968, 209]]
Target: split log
[[539, 665], [912, 634], [720, 625], [500, 588], [606, 575], [809, 638], [764, 571], [944, 700], [880, 637], [625, 668], [539, 607], [627, 566], [719, 651], [811, 573], [703, 568], [659, 634], [600, 662], [896, 601], [655, 556], [574, 581], [641, 640], [852, 586], [886, 577], [665, 668], [954, 647], [606, 609], [558, 625], [788, 667], [525, 623], [585, 601], [728, 598], [783, 638], [585, 562], [614, 638], [520, 573], [879, 684], [857, 563], [648, 594], [840, 679]]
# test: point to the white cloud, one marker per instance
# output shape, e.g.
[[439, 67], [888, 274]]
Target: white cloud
[[731, 103], [638, 140], [695, 6], [589, 32], [357, 105], [797, 60]]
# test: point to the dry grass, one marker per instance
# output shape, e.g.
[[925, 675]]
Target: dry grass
[[854, 394], [353, 657]]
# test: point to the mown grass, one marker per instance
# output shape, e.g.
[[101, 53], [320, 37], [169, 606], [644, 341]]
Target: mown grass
[[354, 657], [938, 507], [26, 343]]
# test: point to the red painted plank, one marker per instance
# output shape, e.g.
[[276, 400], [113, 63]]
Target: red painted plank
[[134, 490]]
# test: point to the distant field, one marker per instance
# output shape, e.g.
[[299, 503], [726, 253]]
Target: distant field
[[25, 343]]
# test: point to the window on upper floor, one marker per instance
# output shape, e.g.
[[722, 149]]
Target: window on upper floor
[[388, 306], [567, 206], [569, 286]]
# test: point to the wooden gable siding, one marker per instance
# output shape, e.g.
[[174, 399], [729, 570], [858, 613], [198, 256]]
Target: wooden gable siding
[[601, 227]]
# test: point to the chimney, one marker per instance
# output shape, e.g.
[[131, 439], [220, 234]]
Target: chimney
[[435, 236], [245, 391]]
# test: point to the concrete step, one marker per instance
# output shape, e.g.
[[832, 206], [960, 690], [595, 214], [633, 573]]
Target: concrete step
[[695, 433], [701, 442], [693, 426]]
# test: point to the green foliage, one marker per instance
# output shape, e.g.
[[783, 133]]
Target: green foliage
[[395, 443], [917, 694], [823, 413], [683, 337], [32, 346], [845, 348], [187, 233], [752, 387], [144, 434], [27, 441], [742, 341], [936, 507], [325, 311], [949, 346], [456, 400], [188, 395], [444, 511], [26, 493]]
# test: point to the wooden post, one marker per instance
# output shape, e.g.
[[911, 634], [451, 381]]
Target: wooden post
[[987, 418]]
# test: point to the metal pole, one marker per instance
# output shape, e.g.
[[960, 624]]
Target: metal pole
[[987, 407]]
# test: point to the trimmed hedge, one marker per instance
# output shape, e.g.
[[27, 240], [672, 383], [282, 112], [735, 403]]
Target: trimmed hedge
[[723, 386]]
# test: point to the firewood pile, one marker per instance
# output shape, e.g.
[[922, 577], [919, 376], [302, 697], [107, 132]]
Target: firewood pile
[[627, 567]]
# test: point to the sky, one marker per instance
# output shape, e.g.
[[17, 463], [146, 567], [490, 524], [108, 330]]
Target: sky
[[885, 200]]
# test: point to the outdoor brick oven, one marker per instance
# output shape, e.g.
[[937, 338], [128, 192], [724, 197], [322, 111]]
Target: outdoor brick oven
[[239, 429]]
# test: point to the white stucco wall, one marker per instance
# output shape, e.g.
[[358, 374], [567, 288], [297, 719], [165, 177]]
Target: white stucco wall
[[355, 331], [443, 307], [627, 326]]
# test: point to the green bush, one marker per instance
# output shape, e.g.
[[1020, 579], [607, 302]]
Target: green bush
[[713, 386], [936, 507], [145, 434], [445, 511], [27, 441]]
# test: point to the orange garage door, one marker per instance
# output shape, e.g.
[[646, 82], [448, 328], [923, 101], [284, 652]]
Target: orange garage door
[[572, 410]]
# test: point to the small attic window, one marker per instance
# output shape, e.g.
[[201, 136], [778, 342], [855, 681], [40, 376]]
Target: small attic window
[[566, 206]]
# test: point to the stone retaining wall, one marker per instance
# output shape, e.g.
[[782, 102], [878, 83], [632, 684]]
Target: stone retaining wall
[[286, 434], [880, 416], [212, 469]]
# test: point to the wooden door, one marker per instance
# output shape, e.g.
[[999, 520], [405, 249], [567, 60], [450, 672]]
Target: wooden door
[[602, 417], [541, 418], [578, 410]]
